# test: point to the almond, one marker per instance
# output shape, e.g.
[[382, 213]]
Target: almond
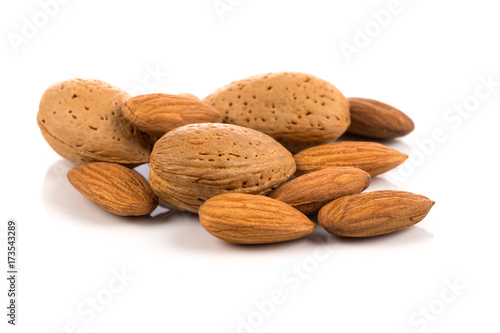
[[375, 119], [157, 114], [298, 110], [193, 163], [373, 213], [82, 120], [310, 192], [371, 157], [114, 188], [189, 95], [253, 219]]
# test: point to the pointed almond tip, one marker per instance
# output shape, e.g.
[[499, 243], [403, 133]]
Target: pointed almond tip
[[411, 125]]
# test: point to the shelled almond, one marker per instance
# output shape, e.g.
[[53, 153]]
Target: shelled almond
[[157, 114], [373, 213], [371, 157], [310, 192], [253, 219], [114, 188], [375, 119]]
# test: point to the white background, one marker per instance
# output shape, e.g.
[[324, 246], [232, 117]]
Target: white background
[[428, 58]]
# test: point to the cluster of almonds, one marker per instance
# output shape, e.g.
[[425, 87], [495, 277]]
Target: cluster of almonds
[[229, 157]]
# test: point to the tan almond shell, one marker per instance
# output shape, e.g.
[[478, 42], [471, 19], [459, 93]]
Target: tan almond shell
[[253, 219], [309, 192], [375, 119], [81, 119], [371, 157], [113, 187], [298, 110], [157, 114], [373, 213], [193, 163]]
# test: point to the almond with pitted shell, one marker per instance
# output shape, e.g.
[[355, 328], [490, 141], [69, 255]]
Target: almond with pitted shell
[[298, 110], [193, 163], [82, 120]]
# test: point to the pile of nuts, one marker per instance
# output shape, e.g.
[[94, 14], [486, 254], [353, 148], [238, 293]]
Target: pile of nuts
[[230, 158]]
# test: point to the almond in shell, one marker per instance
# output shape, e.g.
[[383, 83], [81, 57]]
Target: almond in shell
[[193, 163], [298, 110], [82, 120]]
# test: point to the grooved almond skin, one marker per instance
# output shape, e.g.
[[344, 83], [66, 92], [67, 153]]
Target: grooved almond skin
[[193, 163], [375, 119], [157, 114], [253, 219], [373, 213], [371, 157], [309, 192], [296, 109], [82, 120], [114, 188]]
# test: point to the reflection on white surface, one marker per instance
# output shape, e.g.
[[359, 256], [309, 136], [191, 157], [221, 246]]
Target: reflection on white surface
[[414, 235], [184, 230], [379, 183]]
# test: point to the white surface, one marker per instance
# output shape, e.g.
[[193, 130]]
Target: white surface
[[430, 57]]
